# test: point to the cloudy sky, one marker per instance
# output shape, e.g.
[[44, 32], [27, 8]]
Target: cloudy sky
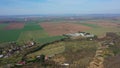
[[21, 7]]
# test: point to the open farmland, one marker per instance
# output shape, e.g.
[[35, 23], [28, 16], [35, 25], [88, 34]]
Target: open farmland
[[34, 35], [31, 26], [41, 32], [3, 25], [90, 25], [55, 29], [103, 23], [13, 26], [32, 31], [23, 32], [19, 31], [100, 27], [97, 27], [9, 35], [49, 39]]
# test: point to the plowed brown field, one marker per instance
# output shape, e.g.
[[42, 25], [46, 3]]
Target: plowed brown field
[[54, 29], [14, 26]]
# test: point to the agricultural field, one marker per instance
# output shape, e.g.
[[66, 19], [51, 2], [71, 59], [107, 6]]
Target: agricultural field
[[22, 32], [2, 25], [13, 31], [13, 26], [55, 29], [47, 36], [100, 27], [97, 27]]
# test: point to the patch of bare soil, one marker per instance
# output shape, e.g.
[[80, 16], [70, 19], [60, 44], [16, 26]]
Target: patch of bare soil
[[62, 28], [14, 26]]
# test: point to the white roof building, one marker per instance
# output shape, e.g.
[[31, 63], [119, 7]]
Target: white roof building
[[83, 34]]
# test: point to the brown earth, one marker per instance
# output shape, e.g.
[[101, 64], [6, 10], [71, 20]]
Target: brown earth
[[63, 28], [14, 26]]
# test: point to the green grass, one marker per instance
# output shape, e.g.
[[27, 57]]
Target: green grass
[[34, 35], [90, 25], [35, 32], [3, 25], [49, 39], [32, 26], [102, 31], [78, 53], [9, 35], [50, 50], [31, 30]]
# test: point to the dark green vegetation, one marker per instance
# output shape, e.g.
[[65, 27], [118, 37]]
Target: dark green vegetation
[[30, 26], [9, 35], [90, 25], [32, 31], [2, 26], [49, 39]]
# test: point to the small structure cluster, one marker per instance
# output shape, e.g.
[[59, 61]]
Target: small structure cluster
[[81, 34], [13, 48]]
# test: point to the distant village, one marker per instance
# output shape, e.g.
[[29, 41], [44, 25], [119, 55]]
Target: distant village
[[13, 48]]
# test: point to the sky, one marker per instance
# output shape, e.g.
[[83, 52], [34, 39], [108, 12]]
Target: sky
[[25, 7]]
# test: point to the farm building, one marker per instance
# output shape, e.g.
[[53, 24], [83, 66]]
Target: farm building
[[82, 34]]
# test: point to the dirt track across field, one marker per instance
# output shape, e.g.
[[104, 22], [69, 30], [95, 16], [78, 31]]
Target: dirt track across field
[[14, 26], [54, 29]]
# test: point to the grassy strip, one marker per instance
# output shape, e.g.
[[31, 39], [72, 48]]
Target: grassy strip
[[31, 26], [90, 25], [34, 35], [49, 39], [9, 35]]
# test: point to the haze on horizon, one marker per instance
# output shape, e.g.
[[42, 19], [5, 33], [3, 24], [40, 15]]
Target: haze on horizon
[[23, 7]]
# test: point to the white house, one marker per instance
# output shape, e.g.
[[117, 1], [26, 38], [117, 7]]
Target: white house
[[82, 34]]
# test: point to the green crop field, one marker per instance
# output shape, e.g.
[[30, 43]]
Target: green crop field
[[30, 31], [98, 30], [28, 35], [32, 26], [9, 35], [2, 26], [90, 25], [49, 39], [102, 31]]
